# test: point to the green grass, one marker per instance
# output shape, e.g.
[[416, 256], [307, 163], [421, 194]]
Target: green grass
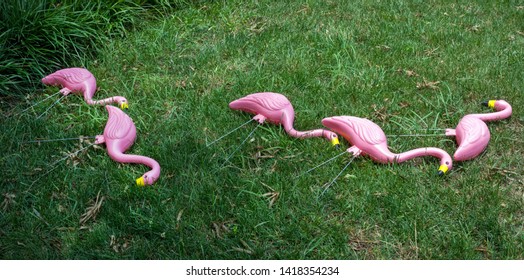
[[39, 37], [329, 58]]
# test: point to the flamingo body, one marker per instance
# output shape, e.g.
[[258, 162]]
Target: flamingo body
[[472, 136], [277, 109], [81, 80], [73, 80], [119, 135], [363, 134], [368, 139], [119, 132], [472, 133]]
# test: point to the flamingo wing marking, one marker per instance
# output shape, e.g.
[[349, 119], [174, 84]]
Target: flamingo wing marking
[[474, 130], [74, 75], [118, 125], [367, 130], [271, 101]]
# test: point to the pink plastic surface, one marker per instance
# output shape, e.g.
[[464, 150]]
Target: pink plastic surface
[[472, 133], [119, 135], [368, 139], [82, 81], [276, 109]]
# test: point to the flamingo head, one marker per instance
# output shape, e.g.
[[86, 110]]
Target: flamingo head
[[489, 103], [148, 178], [122, 102], [442, 169], [446, 163], [332, 137]]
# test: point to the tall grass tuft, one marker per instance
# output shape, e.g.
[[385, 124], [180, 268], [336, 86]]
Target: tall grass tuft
[[38, 37]]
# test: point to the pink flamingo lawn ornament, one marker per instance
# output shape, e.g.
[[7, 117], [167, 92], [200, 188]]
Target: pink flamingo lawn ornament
[[472, 133], [119, 135], [81, 80], [277, 109], [368, 138]]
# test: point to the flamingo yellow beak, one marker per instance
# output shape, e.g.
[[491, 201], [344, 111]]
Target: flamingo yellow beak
[[489, 103], [442, 170], [124, 106], [140, 182], [335, 142]]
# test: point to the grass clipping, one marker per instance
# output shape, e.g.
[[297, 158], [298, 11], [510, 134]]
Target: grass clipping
[[93, 210]]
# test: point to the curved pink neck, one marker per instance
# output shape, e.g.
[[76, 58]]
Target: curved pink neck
[[382, 154], [307, 134], [89, 92], [109, 100], [444, 157], [503, 108], [287, 122], [126, 158]]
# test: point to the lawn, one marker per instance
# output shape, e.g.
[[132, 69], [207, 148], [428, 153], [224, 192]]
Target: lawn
[[405, 65]]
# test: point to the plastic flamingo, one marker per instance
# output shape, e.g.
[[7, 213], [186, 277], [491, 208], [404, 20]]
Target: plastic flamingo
[[119, 135], [81, 80], [368, 138], [277, 109], [472, 133]]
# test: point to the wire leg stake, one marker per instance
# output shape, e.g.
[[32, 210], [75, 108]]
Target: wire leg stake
[[238, 147], [52, 105], [220, 138], [54, 164], [325, 162], [40, 101], [340, 173]]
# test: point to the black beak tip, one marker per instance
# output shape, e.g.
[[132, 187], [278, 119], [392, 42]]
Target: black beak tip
[[485, 103], [440, 173], [337, 146]]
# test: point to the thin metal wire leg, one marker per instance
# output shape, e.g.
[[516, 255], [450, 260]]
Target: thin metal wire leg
[[338, 175], [325, 162], [221, 137], [238, 147], [52, 105], [40, 101]]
